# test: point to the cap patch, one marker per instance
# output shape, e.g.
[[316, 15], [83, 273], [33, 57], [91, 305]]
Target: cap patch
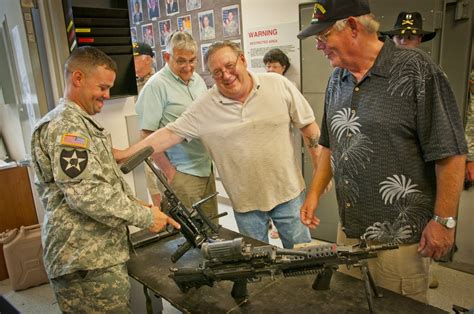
[[74, 141], [318, 13], [73, 162]]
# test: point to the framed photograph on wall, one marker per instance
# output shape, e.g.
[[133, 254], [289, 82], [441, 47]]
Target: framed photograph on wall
[[137, 12], [184, 24], [165, 31], [193, 5], [153, 9], [206, 25], [204, 48], [231, 20], [172, 7], [133, 34], [148, 34]]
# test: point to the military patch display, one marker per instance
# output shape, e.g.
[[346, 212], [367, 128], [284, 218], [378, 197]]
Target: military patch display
[[73, 162]]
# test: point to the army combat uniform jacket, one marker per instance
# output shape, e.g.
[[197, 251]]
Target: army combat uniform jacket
[[88, 204]]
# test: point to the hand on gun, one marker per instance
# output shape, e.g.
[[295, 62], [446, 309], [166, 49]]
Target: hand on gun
[[160, 220]]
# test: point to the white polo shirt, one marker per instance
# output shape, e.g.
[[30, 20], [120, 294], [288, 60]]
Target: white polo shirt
[[251, 143]]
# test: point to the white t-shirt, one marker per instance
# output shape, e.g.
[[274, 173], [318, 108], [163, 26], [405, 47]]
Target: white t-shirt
[[251, 143]]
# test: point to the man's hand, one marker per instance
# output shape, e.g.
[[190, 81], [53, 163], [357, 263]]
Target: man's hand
[[470, 171], [160, 220], [307, 212], [436, 240]]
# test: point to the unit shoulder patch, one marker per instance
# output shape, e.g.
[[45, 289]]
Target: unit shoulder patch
[[73, 162]]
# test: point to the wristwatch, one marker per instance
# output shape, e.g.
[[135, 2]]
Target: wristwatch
[[448, 222]]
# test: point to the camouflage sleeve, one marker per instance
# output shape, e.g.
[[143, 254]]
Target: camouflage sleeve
[[87, 174]]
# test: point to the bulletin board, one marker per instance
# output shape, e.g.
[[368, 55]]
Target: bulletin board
[[206, 20]]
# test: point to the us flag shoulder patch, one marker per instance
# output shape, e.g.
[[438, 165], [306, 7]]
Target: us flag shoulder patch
[[73, 140]]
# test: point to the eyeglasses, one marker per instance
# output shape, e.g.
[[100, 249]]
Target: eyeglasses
[[229, 68], [181, 62], [323, 38]]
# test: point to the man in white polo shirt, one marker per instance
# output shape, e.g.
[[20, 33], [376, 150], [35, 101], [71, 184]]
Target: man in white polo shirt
[[245, 121]]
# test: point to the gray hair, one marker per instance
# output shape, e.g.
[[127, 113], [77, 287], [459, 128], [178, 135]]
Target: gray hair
[[87, 58], [368, 21], [180, 40], [222, 44]]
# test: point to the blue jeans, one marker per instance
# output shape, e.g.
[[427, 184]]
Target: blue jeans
[[285, 216]]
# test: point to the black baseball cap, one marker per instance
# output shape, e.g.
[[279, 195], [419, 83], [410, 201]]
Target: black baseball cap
[[142, 49], [327, 12]]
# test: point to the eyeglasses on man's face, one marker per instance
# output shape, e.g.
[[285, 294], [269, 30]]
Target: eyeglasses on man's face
[[182, 62], [228, 68], [323, 38]]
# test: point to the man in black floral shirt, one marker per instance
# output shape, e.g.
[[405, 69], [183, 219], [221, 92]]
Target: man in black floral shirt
[[393, 140]]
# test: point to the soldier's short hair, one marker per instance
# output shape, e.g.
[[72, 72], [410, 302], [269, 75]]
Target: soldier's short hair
[[87, 58]]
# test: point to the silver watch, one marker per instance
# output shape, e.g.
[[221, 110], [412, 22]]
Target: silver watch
[[448, 222]]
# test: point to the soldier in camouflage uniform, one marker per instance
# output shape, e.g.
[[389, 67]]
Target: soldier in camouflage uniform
[[470, 134], [88, 203]]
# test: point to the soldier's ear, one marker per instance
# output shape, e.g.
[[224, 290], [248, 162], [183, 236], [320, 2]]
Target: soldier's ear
[[77, 78]]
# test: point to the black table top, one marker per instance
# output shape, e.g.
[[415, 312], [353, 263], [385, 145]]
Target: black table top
[[281, 295]]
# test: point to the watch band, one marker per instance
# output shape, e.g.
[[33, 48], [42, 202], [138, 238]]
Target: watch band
[[448, 222]]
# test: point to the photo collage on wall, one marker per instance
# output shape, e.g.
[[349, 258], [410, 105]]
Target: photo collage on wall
[[154, 20]]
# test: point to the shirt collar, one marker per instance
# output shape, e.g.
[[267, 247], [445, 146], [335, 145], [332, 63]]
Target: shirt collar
[[227, 101], [168, 71], [69, 104], [382, 64]]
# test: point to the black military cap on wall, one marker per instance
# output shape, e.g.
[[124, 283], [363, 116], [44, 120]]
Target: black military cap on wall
[[410, 23]]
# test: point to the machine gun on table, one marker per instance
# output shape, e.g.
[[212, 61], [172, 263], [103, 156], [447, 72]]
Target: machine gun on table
[[242, 263], [196, 227]]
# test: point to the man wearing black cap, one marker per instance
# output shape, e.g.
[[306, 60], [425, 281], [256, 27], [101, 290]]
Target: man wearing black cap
[[392, 138], [408, 30], [143, 60]]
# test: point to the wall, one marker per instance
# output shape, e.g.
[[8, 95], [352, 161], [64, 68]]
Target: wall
[[10, 122], [283, 11]]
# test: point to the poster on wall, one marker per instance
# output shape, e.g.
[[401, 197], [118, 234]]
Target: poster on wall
[[184, 24], [193, 5], [133, 34], [206, 25], [172, 7], [137, 12], [165, 31], [153, 9], [264, 38], [231, 21], [148, 34], [204, 48]]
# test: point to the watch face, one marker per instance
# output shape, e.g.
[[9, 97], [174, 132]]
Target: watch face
[[451, 223]]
